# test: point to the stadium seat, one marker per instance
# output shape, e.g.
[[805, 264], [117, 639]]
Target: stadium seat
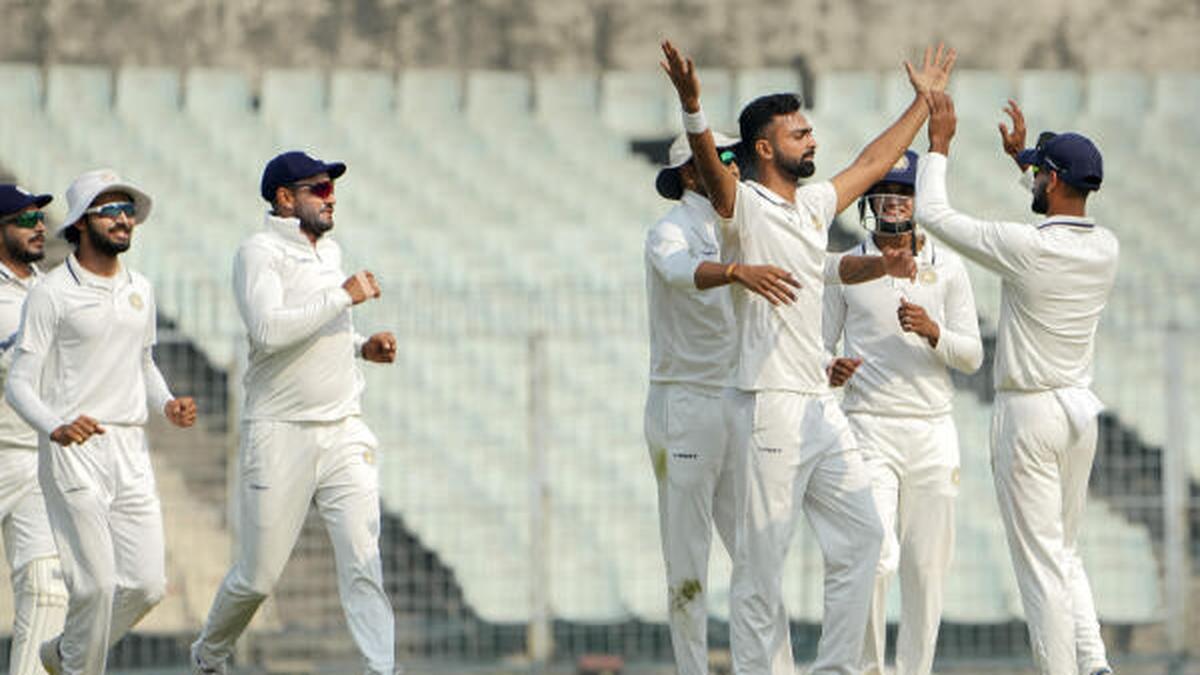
[[638, 104], [216, 94], [751, 83], [423, 95], [362, 93], [22, 84], [73, 91], [288, 93], [148, 95], [1050, 99]]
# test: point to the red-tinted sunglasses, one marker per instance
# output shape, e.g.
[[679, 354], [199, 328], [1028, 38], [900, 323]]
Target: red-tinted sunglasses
[[321, 190]]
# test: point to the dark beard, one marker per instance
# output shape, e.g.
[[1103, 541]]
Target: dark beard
[[313, 224], [1041, 203], [21, 255], [106, 246], [797, 169]]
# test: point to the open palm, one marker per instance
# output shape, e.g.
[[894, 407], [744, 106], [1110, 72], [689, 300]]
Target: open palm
[[935, 70], [682, 72]]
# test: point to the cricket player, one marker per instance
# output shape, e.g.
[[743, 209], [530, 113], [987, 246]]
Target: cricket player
[[83, 376], [900, 339], [39, 596], [799, 450], [1056, 276], [692, 347], [302, 434]]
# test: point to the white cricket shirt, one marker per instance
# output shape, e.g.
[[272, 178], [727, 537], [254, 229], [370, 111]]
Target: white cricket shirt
[[297, 316], [15, 434], [1056, 277], [901, 374], [780, 346], [692, 338], [84, 349]]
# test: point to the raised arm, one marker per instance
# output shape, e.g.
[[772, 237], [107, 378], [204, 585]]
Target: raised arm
[[881, 154], [1006, 248], [258, 290], [719, 183]]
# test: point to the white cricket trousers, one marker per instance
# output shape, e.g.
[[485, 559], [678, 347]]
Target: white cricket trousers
[[107, 522], [914, 467], [697, 475], [39, 595], [284, 466], [801, 456], [1041, 465]]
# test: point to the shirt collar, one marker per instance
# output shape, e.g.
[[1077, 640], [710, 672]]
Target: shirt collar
[[85, 278], [8, 275], [768, 193], [1072, 221], [289, 230]]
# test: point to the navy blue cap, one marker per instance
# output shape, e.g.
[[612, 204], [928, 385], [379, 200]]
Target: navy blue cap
[[1072, 156], [903, 172], [289, 167], [13, 199]]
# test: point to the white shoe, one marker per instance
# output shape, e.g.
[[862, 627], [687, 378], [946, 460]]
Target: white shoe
[[199, 667], [50, 657]]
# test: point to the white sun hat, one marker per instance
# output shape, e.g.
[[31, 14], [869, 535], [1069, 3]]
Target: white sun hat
[[88, 186]]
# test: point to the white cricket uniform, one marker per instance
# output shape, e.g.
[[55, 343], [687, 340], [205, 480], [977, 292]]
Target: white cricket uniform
[[39, 595], [85, 349], [692, 345], [302, 440], [899, 404], [1056, 277], [795, 440]]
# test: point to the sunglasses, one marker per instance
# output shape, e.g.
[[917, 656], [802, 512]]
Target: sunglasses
[[114, 209], [27, 220], [727, 157], [321, 190]]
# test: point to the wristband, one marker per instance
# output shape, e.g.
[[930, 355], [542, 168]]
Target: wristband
[[695, 123]]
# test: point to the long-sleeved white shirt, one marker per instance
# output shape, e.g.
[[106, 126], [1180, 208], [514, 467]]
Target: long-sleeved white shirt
[[1056, 277], [692, 338], [780, 346], [84, 348], [15, 434], [901, 374], [297, 316]]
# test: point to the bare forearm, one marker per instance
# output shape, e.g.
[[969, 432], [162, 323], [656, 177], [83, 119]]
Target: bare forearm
[[711, 275], [880, 155], [857, 269], [718, 182]]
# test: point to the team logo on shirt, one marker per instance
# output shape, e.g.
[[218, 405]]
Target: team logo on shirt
[[135, 301], [954, 476], [927, 276], [817, 223], [368, 457]]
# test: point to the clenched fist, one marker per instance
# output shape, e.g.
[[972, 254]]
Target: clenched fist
[[78, 431], [181, 411], [362, 287], [380, 348]]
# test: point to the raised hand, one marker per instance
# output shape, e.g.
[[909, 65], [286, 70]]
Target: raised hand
[[1014, 141], [181, 411], [78, 431], [773, 283], [362, 287], [682, 72], [935, 70], [942, 122], [841, 370]]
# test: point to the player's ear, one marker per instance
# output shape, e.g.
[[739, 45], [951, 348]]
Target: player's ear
[[762, 148]]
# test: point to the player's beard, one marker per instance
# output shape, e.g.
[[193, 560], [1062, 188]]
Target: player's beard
[[1041, 203], [798, 168], [17, 249], [105, 245], [310, 221]]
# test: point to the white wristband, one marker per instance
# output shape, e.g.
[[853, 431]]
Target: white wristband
[[695, 123]]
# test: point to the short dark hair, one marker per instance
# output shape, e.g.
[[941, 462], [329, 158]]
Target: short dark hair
[[758, 114]]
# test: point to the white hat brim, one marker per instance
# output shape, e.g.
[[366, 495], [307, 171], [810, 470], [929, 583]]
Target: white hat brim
[[142, 204]]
